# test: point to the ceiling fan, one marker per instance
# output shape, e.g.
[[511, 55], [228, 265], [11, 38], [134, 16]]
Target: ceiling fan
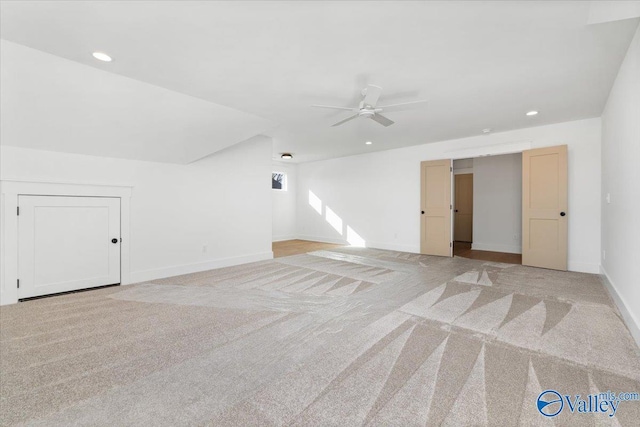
[[368, 107]]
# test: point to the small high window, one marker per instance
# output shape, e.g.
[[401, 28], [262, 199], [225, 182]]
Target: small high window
[[279, 181]]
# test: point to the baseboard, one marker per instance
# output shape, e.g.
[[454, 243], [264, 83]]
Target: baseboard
[[322, 239], [583, 267], [283, 238], [394, 247], [629, 319], [146, 275], [492, 247], [373, 245], [6, 299]]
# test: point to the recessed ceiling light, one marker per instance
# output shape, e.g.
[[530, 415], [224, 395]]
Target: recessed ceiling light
[[532, 113], [102, 56], [368, 142], [286, 156], [487, 130]]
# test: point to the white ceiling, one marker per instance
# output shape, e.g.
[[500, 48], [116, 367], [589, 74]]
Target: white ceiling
[[51, 103], [480, 64]]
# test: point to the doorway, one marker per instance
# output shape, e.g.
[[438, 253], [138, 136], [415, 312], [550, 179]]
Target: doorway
[[463, 207], [508, 207], [488, 208]]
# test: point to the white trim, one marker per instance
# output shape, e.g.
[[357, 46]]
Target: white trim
[[511, 249], [490, 150], [283, 238], [48, 181], [462, 171], [373, 245], [629, 319], [583, 267], [394, 247], [2, 244], [64, 188], [322, 239], [12, 188], [177, 270], [452, 199]]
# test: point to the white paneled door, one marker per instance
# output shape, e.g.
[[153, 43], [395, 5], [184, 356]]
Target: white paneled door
[[67, 243]]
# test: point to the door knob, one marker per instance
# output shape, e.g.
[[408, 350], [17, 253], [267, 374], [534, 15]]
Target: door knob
[[114, 241], [456, 210], [562, 214], [422, 212]]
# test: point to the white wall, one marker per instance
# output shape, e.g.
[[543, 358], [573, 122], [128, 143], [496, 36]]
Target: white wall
[[621, 179], [497, 203], [222, 201], [376, 196], [284, 203]]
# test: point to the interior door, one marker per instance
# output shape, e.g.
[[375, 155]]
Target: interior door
[[67, 243], [544, 207], [463, 208], [435, 224]]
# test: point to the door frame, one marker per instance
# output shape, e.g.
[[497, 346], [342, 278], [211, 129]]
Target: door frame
[[9, 192], [509, 149], [454, 202], [491, 150]]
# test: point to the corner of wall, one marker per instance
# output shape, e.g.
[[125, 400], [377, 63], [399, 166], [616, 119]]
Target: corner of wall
[[630, 320], [618, 153]]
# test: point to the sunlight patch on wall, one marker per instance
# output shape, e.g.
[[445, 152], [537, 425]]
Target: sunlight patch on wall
[[315, 202], [334, 220], [354, 238]]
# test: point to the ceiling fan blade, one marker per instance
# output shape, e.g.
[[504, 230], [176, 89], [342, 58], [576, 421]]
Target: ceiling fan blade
[[382, 120], [345, 120], [372, 95], [401, 106], [334, 108]]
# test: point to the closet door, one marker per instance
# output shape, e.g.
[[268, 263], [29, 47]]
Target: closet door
[[544, 207], [435, 224], [67, 243]]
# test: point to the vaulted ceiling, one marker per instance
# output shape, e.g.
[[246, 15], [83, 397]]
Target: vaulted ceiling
[[196, 77]]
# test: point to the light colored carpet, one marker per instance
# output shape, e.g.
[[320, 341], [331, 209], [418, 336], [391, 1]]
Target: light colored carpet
[[345, 337]]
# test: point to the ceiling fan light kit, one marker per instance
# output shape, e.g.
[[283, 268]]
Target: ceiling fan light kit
[[369, 108]]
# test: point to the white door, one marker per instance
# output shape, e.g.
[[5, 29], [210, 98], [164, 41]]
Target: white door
[[67, 243]]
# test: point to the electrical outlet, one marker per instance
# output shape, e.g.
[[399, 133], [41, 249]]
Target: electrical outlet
[[604, 254], [204, 249], [608, 197]]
